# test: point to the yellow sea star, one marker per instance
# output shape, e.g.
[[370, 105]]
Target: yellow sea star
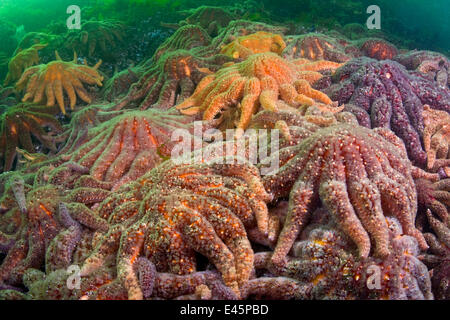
[[258, 81], [176, 210], [55, 77], [259, 42]]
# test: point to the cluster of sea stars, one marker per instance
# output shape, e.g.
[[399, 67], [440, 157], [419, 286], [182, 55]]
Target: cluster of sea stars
[[359, 174], [176, 210], [142, 225], [37, 224], [384, 94], [212, 19], [174, 70]]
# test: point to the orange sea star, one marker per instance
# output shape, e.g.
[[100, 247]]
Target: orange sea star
[[258, 81], [127, 146], [37, 236], [50, 80], [316, 46], [436, 138]]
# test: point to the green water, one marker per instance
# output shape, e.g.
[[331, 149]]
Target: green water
[[423, 23], [409, 24]]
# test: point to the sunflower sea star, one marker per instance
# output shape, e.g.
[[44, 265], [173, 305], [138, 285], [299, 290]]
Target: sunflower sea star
[[17, 126], [185, 209], [259, 80], [22, 61], [94, 35], [42, 220], [338, 165], [434, 196], [439, 242], [55, 77], [436, 138], [258, 42], [240, 28], [378, 49], [433, 65], [316, 46], [185, 38], [172, 78], [210, 18]]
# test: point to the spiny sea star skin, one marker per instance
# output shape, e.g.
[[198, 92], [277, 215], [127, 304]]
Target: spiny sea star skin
[[41, 222], [434, 196], [299, 124], [436, 138], [326, 266], [81, 121], [336, 48], [176, 210], [439, 256], [337, 164], [257, 81], [53, 285], [103, 285], [49, 81], [128, 145], [378, 49], [434, 65], [171, 79], [440, 280], [19, 123], [259, 42], [316, 46], [120, 83], [96, 35], [23, 60], [384, 94], [272, 288]]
